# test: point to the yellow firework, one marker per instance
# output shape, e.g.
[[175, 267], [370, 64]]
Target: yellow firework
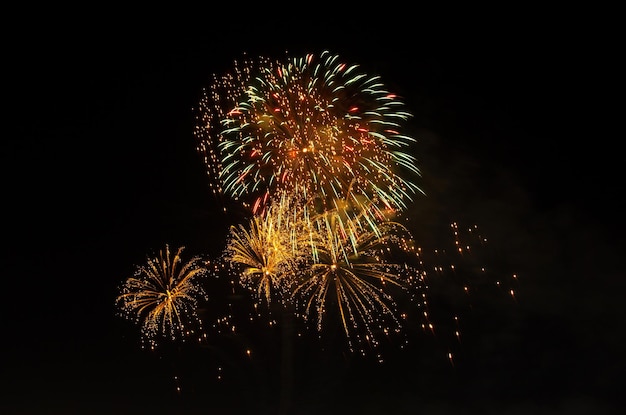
[[267, 252], [355, 277], [325, 264], [162, 296]]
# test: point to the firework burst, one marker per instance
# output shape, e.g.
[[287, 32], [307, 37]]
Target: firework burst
[[162, 296], [267, 252], [312, 126], [359, 278]]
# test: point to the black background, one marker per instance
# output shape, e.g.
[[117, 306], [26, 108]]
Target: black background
[[511, 110]]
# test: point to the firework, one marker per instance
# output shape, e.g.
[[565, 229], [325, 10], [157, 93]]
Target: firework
[[313, 264], [162, 296], [312, 126], [267, 252], [315, 148], [316, 151], [359, 278]]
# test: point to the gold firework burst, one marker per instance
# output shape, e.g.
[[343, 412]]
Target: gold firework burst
[[356, 277], [162, 296], [268, 250]]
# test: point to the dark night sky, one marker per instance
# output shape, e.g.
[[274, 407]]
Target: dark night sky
[[100, 168]]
